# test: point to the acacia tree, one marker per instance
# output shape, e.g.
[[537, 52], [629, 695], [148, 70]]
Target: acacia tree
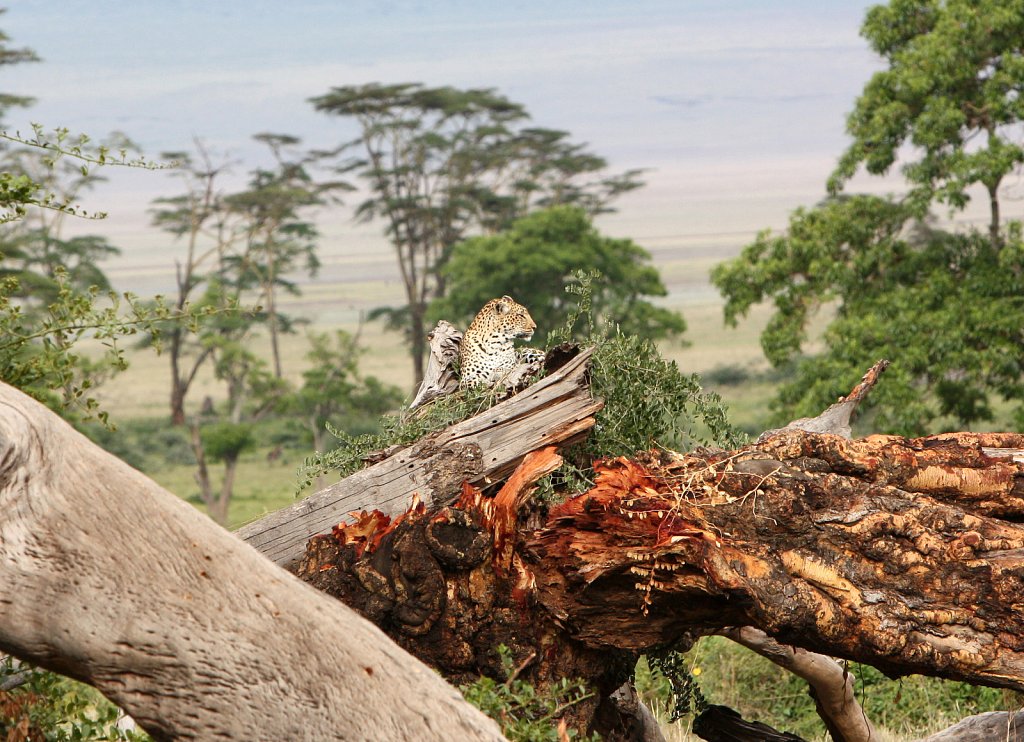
[[53, 292], [538, 256], [253, 238], [279, 238], [441, 162], [196, 216], [537, 168], [422, 154], [940, 305]]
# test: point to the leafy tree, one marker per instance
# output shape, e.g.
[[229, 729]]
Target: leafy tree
[[537, 257], [940, 305], [277, 236], [441, 162], [252, 393], [333, 390], [951, 92], [34, 247]]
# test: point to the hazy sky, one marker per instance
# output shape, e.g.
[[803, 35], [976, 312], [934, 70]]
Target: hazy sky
[[737, 108]]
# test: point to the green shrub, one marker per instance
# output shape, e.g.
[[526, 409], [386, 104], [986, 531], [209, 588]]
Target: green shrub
[[525, 713], [62, 710], [223, 441]]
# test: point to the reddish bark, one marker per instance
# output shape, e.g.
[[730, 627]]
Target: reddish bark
[[842, 547], [890, 551]]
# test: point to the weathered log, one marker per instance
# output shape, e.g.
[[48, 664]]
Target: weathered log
[[108, 578], [994, 726], [482, 449], [841, 547]]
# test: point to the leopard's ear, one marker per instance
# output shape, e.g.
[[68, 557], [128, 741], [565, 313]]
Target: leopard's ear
[[504, 306]]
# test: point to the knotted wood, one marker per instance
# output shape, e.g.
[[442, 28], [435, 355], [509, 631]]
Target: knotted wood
[[894, 552]]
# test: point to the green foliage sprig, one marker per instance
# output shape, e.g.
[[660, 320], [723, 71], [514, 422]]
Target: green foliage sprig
[[38, 354], [18, 191], [65, 711], [648, 400], [525, 713]]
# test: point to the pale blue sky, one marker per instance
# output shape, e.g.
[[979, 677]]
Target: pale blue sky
[[737, 108]]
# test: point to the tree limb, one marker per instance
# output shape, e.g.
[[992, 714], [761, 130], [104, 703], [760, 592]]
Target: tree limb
[[109, 579], [831, 684]]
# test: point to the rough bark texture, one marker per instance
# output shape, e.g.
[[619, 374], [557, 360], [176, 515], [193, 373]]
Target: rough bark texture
[[901, 553], [485, 448], [108, 578], [883, 550]]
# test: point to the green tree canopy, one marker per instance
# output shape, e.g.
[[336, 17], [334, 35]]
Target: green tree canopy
[[442, 163], [536, 258], [944, 307], [951, 91]]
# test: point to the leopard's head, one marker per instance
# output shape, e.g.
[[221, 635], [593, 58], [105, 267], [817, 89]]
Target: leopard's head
[[487, 352], [504, 319]]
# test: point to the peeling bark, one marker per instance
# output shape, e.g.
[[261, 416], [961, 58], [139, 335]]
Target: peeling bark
[[841, 547]]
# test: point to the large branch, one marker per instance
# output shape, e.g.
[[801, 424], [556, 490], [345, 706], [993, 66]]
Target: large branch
[[484, 448], [109, 579], [904, 554], [884, 550]]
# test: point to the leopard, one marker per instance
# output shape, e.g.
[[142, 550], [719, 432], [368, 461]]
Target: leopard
[[487, 354]]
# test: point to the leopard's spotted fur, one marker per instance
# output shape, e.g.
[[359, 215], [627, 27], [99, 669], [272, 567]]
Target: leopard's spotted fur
[[487, 354]]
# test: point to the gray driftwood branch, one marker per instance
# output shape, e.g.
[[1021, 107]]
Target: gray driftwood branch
[[110, 579], [481, 449]]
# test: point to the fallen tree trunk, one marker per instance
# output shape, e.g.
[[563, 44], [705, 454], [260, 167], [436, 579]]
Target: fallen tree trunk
[[484, 448], [899, 553], [108, 578], [883, 550]]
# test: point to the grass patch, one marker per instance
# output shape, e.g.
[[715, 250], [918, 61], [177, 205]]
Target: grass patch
[[731, 675]]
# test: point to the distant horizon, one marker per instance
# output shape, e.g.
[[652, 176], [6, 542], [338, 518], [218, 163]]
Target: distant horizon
[[736, 111]]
